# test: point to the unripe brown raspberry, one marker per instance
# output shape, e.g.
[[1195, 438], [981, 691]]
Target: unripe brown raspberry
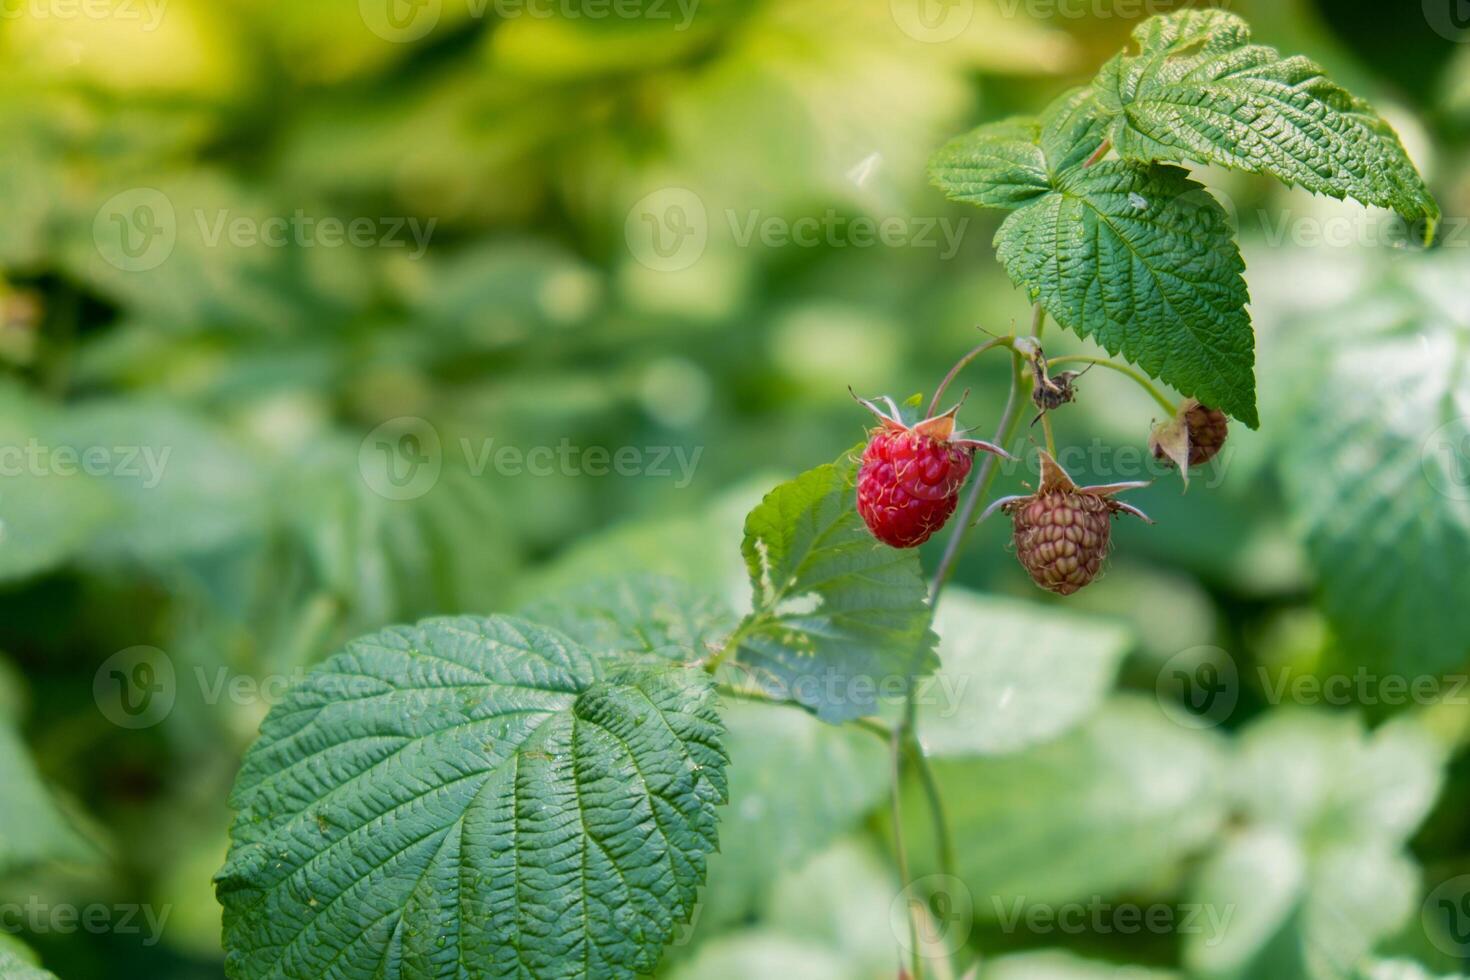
[[1062, 531], [1062, 538], [1193, 437]]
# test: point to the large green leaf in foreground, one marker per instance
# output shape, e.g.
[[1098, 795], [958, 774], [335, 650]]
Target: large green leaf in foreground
[[472, 797]]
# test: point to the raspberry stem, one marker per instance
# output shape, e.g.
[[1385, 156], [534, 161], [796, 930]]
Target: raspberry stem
[[1123, 369], [959, 366], [981, 482]]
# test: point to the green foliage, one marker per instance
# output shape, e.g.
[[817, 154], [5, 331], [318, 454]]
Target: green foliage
[[33, 829], [1318, 872], [409, 807], [839, 619], [1064, 966], [1380, 487], [796, 784], [1112, 806], [1199, 89], [406, 816], [1014, 674], [1133, 253]]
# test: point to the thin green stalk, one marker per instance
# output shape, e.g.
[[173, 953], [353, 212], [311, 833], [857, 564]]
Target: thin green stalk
[[943, 843], [902, 853], [960, 366], [1123, 369], [980, 485]]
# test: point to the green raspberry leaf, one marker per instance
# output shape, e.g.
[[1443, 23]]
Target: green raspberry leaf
[[476, 797], [1142, 259], [839, 619], [997, 165], [1200, 90]]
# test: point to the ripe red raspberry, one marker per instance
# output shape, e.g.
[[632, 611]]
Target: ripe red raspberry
[[911, 476], [1191, 438], [1062, 531]]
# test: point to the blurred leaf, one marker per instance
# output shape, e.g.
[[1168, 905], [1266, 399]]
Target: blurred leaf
[[694, 548], [47, 513], [179, 483], [1058, 965], [838, 616], [205, 249], [1382, 491], [1319, 874], [1114, 805], [32, 828], [442, 548], [828, 916], [1014, 674], [1403, 970], [795, 785], [19, 963]]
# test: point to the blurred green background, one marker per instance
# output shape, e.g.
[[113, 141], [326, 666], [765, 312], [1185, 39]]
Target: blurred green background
[[318, 316]]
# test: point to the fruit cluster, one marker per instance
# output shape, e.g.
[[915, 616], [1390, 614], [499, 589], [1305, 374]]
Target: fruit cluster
[[909, 482]]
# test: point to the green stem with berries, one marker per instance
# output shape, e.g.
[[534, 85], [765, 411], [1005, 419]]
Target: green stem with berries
[[1123, 369]]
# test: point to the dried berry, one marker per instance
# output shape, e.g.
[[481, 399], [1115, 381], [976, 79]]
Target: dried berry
[[1062, 531]]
